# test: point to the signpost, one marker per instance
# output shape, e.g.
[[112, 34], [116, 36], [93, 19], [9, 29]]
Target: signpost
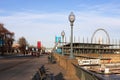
[[39, 44]]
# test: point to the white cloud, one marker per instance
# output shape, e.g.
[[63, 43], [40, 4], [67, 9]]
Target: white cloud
[[44, 27]]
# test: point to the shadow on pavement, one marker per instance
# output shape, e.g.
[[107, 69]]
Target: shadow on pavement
[[59, 76]]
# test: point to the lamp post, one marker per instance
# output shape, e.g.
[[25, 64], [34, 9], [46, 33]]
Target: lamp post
[[62, 34], [71, 19]]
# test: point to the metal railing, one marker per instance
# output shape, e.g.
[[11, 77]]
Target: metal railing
[[83, 74]]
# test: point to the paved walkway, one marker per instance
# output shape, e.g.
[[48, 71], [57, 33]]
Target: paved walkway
[[23, 69], [57, 71]]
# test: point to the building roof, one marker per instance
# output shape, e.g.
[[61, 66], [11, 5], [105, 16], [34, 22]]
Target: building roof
[[4, 30], [89, 44]]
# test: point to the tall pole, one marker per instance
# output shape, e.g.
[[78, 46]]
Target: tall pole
[[71, 19], [62, 45], [62, 34], [71, 45]]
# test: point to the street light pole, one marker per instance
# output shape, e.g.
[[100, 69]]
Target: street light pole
[[62, 34], [71, 19]]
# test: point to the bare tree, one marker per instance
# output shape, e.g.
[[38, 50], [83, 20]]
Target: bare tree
[[23, 43]]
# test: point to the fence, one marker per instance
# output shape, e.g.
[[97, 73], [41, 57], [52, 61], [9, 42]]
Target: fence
[[83, 74]]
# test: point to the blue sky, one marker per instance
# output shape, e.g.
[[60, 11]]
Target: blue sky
[[42, 20]]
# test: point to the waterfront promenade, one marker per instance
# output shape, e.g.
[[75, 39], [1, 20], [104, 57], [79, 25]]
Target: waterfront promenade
[[24, 68]]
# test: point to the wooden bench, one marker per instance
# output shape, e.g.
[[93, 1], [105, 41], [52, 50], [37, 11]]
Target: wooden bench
[[36, 76], [42, 74]]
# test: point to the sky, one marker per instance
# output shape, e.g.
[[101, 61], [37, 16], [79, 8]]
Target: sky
[[42, 20]]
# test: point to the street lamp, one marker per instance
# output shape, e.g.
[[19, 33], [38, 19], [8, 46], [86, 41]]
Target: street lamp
[[71, 19], [62, 34]]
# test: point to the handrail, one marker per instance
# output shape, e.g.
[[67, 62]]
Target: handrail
[[83, 74]]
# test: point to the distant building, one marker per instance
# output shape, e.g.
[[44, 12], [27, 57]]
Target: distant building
[[87, 48], [92, 47], [6, 40]]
